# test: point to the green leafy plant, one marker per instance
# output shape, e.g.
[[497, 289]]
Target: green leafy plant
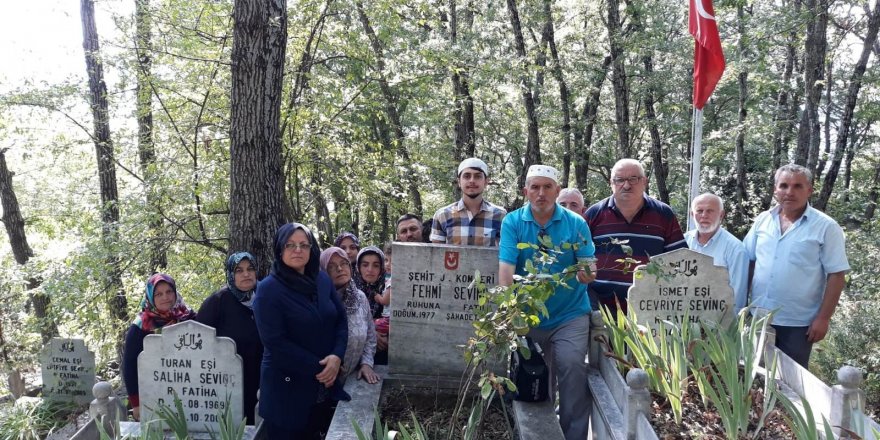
[[230, 428], [725, 364], [802, 425], [664, 357], [34, 420], [175, 418]]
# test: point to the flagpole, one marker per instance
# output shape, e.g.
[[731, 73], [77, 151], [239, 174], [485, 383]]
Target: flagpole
[[696, 155]]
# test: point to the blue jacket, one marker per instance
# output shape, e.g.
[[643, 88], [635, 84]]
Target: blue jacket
[[297, 333]]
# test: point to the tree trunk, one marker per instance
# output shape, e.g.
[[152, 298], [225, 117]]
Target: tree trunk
[[463, 113], [855, 144], [21, 250], [391, 98], [785, 114], [661, 168], [741, 183], [659, 165], [533, 148], [584, 139], [873, 194], [257, 204], [564, 95], [158, 259], [826, 125], [618, 80], [814, 69], [112, 285], [843, 131]]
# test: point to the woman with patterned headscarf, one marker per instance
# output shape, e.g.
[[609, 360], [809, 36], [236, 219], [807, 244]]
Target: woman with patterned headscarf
[[361, 330], [303, 327], [370, 276], [230, 311], [161, 306]]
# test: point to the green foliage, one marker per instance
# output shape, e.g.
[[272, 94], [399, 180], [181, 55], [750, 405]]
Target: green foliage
[[33, 420], [803, 425], [721, 360], [230, 429], [854, 335], [662, 352], [174, 417], [725, 364]]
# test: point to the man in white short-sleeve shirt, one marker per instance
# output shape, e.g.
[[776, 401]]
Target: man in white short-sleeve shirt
[[799, 262]]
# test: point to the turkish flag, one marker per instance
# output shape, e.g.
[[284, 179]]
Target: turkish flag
[[708, 56]]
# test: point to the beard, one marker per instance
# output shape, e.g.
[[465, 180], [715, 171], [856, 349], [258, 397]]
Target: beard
[[709, 229]]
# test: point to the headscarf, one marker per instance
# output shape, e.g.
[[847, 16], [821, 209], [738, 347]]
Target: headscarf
[[348, 294], [306, 282], [374, 288], [343, 236], [150, 318], [231, 263]]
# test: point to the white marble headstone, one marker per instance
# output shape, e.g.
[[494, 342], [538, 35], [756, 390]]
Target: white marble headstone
[[691, 288], [433, 305], [68, 370], [188, 360]]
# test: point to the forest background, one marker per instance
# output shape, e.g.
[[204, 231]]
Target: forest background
[[194, 128]]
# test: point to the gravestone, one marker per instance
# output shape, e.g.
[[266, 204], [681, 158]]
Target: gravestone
[[190, 362], [433, 306], [690, 288], [68, 371]]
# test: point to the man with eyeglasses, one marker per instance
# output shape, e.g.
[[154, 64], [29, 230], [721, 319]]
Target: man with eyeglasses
[[471, 221], [409, 228], [646, 225], [563, 333]]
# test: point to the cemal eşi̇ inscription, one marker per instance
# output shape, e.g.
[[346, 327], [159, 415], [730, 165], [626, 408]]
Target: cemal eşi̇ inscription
[[68, 371], [433, 305], [188, 361], [690, 289]]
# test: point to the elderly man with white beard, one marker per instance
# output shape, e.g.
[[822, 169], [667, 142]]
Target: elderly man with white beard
[[711, 239]]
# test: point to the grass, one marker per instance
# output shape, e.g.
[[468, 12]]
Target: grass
[[33, 420]]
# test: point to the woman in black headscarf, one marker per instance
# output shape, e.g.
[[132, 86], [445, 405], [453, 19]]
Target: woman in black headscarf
[[303, 327], [230, 311]]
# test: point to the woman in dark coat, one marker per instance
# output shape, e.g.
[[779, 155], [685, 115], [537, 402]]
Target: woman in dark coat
[[161, 306], [304, 332], [230, 311]]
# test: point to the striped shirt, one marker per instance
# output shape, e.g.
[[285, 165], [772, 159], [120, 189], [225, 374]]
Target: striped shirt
[[454, 224], [653, 230]]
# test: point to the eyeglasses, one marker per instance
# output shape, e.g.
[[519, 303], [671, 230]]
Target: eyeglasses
[[619, 181], [338, 267], [297, 247]]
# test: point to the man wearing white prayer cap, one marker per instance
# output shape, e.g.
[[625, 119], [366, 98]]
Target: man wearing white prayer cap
[[563, 333], [472, 220]]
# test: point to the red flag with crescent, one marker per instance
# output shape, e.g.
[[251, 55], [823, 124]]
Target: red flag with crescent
[[708, 56]]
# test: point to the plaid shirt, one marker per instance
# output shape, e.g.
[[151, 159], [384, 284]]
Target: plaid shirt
[[454, 224]]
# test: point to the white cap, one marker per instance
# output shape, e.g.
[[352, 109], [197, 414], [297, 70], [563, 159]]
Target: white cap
[[543, 171], [473, 162]]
